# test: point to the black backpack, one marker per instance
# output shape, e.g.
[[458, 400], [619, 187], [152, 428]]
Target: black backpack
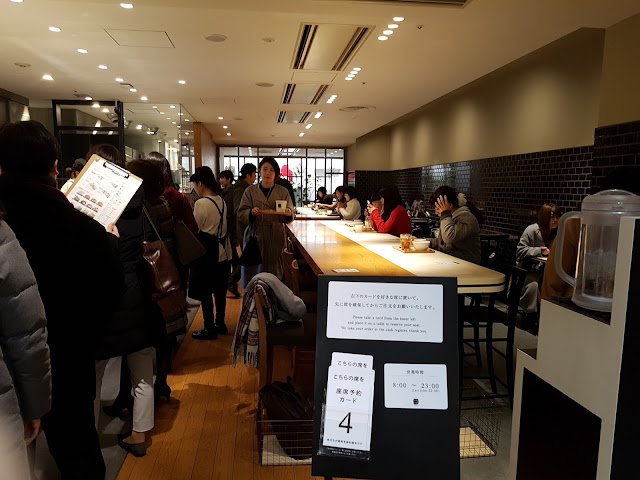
[[290, 417]]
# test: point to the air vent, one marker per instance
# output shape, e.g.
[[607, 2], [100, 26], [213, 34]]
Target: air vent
[[293, 117], [357, 108], [327, 47], [455, 3], [303, 93]]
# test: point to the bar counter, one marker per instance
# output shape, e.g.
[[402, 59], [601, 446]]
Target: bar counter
[[331, 245], [306, 213]]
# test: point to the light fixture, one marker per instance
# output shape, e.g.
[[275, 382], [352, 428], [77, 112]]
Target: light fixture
[[127, 6], [398, 19], [353, 72], [382, 38], [228, 134], [173, 123], [168, 118], [47, 77], [102, 67], [172, 106], [96, 105], [161, 113], [348, 79], [95, 132], [133, 90], [388, 32], [180, 113], [54, 29], [318, 115], [186, 120], [159, 141], [176, 140], [88, 98], [225, 127], [301, 134], [182, 82], [138, 127], [17, 1], [143, 98], [83, 50], [357, 69], [309, 126], [392, 26], [105, 110], [220, 118], [351, 75], [119, 79]]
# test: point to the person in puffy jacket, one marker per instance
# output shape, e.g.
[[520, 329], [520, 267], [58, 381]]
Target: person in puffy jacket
[[25, 372]]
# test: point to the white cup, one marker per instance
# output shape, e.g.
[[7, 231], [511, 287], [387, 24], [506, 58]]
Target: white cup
[[281, 205], [421, 244], [359, 227]]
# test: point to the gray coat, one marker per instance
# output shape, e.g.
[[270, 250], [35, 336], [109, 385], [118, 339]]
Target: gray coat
[[25, 375], [530, 244], [460, 235]]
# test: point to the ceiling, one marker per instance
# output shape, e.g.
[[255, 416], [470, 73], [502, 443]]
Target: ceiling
[[435, 50]]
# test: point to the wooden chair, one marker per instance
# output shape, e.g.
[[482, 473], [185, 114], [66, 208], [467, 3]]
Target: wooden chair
[[485, 316]]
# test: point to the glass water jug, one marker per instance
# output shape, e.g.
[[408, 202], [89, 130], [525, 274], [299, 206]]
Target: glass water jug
[[597, 248]]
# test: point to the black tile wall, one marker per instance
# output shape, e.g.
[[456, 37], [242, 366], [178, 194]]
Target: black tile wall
[[615, 146], [509, 190]]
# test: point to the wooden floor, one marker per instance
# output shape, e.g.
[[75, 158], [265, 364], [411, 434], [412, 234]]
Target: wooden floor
[[207, 430]]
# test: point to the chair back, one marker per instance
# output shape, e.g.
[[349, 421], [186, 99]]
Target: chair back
[[287, 258], [295, 278], [514, 284], [262, 337]]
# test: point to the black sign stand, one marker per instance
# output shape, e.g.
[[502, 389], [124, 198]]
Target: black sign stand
[[405, 443]]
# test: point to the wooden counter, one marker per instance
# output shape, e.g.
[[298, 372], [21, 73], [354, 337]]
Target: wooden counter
[[306, 213], [332, 245]]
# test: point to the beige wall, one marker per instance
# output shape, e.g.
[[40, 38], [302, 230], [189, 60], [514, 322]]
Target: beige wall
[[371, 151], [546, 100], [620, 98]]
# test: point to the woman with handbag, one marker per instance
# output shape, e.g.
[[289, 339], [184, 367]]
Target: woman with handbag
[[210, 274], [258, 209]]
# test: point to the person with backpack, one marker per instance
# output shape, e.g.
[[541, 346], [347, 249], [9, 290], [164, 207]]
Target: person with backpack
[[211, 273]]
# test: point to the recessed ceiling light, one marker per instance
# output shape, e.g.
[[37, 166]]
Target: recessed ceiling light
[[392, 25], [383, 38], [138, 127], [301, 134], [216, 37], [353, 72], [159, 141], [225, 127], [119, 79], [309, 126], [357, 69], [228, 134], [180, 113], [220, 118], [176, 140], [83, 50], [54, 29], [47, 77], [96, 105], [187, 120], [398, 19], [388, 32], [88, 98], [128, 6], [133, 90], [161, 113], [182, 82], [154, 106], [318, 115], [348, 78], [351, 75], [143, 98], [172, 106], [95, 132], [102, 67], [168, 118], [17, 1], [105, 110], [173, 123]]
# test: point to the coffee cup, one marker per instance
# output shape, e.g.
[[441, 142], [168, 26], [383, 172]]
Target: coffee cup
[[358, 227], [281, 205]]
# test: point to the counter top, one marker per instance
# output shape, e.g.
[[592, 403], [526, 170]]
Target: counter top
[[306, 213], [329, 245]]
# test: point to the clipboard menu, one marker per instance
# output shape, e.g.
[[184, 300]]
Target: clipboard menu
[[103, 190]]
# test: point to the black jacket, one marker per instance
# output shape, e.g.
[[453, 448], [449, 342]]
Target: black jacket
[[78, 277], [134, 325]]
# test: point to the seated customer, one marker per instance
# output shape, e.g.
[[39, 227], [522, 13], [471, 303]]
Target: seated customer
[[352, 211], [323, 198], [338, 200], [459, 224], [394, 218], [535, 242]]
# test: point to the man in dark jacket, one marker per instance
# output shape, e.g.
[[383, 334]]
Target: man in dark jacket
[[52, 232], [248, 175]]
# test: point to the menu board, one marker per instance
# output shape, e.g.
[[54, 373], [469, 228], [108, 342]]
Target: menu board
[[103, 190]]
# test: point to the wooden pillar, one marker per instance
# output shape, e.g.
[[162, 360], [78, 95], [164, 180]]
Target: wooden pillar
[[205, 152]]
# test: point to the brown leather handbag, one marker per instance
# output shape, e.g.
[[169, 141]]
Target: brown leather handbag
[[164, 282]]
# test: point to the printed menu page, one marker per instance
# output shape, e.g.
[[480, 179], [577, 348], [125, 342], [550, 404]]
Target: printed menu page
[[103, 190]]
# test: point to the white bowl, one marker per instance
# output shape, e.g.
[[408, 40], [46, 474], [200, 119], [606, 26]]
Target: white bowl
[[358, 227], [421, 245]]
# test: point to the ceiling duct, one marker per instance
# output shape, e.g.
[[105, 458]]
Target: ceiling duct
[[327, 47], [454, 3], [303, 93], [293, 117]]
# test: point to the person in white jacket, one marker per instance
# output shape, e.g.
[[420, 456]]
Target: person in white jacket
[[353, 210]]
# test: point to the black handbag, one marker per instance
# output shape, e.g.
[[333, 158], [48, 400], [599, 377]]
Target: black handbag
[[188, 246], [251, 253]]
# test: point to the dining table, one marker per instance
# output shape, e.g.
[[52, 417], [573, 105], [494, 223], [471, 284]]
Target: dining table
[[335, 248], [308, 213]]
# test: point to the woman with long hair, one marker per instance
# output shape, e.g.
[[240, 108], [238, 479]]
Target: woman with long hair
[[459, 224], [353, 210], [394, 218], [337, 200], [257, 209], [210, 274]]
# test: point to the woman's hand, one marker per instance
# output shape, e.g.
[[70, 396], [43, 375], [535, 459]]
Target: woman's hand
[[111, 228], [371, 207], [255, 211], [545, 251], [442, 205]]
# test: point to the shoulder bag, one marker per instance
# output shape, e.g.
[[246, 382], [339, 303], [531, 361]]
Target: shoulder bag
[[188, 246]]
